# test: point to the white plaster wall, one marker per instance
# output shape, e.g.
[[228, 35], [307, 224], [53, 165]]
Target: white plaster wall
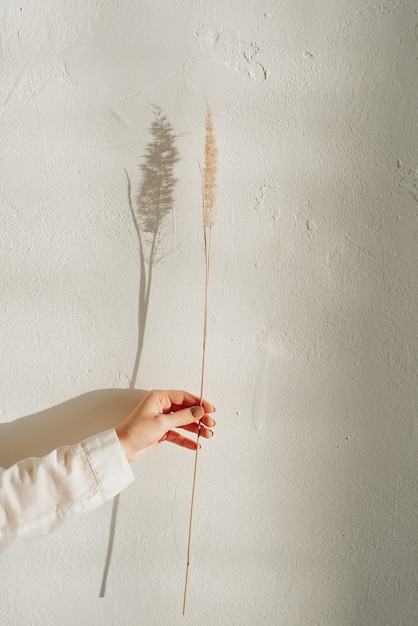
[[306, 510]]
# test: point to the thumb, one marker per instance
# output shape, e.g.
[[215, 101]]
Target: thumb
[[187, 416]]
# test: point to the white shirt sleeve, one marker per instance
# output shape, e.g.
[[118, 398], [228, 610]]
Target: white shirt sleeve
[[37, 495]]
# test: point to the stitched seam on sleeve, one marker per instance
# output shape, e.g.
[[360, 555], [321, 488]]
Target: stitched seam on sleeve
[[86, 452]]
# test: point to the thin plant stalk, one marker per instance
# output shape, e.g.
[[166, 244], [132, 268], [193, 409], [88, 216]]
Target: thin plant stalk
[[202, 382], [208, 201], [207, 235]]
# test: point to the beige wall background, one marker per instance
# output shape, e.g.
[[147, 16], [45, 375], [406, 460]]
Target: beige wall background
[[306, 509]]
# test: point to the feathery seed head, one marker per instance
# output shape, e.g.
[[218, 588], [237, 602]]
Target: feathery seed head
[[209, 172]]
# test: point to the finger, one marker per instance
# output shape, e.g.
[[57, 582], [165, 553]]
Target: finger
[[184, 417], [206, 420], [202, 430], [180, 440], [176, 400]]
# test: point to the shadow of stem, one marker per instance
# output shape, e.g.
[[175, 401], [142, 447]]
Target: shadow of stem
[[153, 204]]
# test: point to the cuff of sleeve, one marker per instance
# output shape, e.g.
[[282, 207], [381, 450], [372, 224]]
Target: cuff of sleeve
[[108, 463]]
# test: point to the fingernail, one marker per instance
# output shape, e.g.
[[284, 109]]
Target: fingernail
[[197, 411]]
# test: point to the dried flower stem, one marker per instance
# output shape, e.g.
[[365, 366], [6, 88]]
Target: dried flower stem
[[208, 201]]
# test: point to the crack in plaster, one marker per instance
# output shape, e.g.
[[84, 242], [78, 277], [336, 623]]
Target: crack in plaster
[[255, 66], [259, 201], [132, 95], [65, 75], [310, 227], [227, 47], [9, 95], [262, 197], [120, 118]]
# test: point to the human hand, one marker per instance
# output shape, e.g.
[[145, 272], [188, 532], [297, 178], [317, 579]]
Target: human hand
[[154, 418]]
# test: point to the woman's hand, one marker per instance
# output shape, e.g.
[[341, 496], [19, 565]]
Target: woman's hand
[[155, 417]]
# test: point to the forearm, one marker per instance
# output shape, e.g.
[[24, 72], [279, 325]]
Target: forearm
[[38, 495]]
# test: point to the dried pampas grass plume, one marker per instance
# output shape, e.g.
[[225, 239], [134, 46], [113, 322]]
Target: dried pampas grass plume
[[209, 173], [208, 200]]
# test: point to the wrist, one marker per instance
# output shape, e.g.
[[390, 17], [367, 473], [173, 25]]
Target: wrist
[[124, 441]]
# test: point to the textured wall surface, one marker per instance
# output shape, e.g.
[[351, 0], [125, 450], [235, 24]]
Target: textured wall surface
[[306, 506]]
